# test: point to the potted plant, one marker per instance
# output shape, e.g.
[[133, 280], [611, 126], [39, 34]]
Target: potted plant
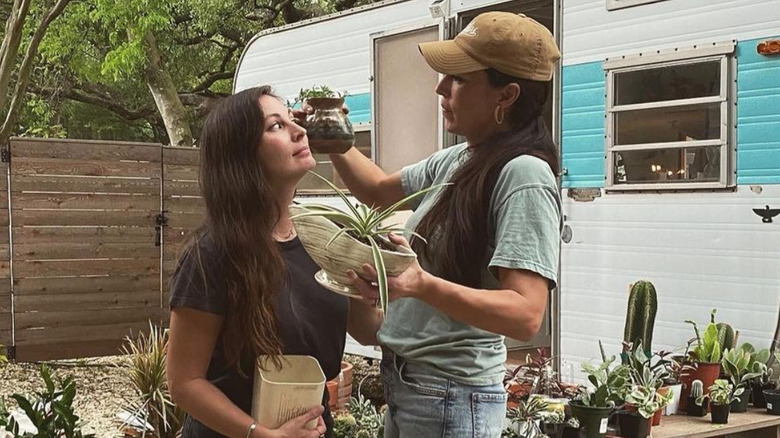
[[736, 364], [643, 403], [339, 241], [645, 373], [593, 406], [675, 368], [696, 393], [772, 396], [328, 127], [721, 395], [708, 350], [759, 364], [525, 420]]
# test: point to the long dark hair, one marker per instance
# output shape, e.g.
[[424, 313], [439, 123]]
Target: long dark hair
[[459, 222], [241, 211]]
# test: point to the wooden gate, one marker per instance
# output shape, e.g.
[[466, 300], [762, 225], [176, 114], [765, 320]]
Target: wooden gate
[[85, 266]]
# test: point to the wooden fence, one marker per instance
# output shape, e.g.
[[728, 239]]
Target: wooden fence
[[85, 258]]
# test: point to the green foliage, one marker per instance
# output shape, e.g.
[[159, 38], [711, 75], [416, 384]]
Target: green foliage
[[526, 417], [721, 393], [50, 410], [609, 384], [146, 375], [737, 364], [708, 349], [643, 371], [364, 223], [362, 420]]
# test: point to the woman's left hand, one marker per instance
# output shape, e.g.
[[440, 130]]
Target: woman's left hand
[[410, 283]]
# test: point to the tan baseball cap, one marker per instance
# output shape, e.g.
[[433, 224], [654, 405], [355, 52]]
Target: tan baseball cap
[[510, 43]]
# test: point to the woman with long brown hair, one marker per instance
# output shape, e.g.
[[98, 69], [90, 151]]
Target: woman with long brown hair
[[244, 286], [493, 233]]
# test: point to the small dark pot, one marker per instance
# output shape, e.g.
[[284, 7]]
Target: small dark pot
[[720, 414], [571, 432], [741, 405], [758, 394], [593, 420], [772, 397], [695, 410], [633, 425]]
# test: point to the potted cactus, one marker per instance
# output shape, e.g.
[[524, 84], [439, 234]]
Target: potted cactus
[[697, 392], [721, 395], [640, 317], [593, 406], [737, 364]]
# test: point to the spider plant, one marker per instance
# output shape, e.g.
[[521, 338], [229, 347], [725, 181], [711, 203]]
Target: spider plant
[[366, 224]]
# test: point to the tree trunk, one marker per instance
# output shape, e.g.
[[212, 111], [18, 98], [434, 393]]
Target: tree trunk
[[10, 48], [165, 95], [23, 77]]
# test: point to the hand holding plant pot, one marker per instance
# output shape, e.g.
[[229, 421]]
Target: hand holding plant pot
[[341, 241]]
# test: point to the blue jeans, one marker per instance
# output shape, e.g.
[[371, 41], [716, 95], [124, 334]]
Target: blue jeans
[[421, 404]]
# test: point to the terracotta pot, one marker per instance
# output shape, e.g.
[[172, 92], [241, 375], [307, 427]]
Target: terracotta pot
[[344, 253], [333, 394], [346, 373], [328, 128], [657, 416], [706, 372]]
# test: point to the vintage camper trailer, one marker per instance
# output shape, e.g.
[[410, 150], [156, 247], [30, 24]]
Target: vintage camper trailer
[[668, 117]]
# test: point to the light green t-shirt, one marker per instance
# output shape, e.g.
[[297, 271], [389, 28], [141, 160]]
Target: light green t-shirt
[[526, 211]]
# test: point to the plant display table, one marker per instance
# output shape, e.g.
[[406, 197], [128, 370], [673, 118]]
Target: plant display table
[[754, 424]]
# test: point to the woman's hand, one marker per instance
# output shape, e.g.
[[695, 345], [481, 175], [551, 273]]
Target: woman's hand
[[296, 428], [411, 283]]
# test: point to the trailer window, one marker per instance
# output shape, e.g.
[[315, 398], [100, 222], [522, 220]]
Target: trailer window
[[668, 125]]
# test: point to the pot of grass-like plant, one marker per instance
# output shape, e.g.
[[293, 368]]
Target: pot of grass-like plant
[[328, 127], [339, 241], [593, 406]]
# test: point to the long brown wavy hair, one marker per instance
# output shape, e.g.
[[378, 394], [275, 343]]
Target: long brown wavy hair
[[241, 211], [459, 223]]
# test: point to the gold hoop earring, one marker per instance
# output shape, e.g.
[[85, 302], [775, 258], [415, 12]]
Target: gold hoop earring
[[498, 114]]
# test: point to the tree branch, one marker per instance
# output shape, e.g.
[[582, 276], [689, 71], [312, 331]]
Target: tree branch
[[24, 70], [209, 81], [89, 95]]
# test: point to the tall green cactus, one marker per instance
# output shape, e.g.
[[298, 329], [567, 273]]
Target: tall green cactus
[[640, 315]]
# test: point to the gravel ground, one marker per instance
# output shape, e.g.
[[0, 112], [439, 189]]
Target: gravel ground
[[100, 389]]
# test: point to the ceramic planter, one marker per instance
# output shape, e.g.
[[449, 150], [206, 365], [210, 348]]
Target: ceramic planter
[[328, 128], [344, 253], [671, 408]]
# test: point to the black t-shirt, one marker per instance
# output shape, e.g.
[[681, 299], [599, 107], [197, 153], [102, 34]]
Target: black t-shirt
[[311, 320]]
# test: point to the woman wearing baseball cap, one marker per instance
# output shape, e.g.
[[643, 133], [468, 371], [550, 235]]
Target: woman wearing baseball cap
[[493, 233]]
